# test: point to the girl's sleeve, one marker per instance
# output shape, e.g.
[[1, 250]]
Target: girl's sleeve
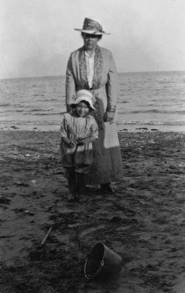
[[63, 128], [112, 86], [94, 128], [69, 84]]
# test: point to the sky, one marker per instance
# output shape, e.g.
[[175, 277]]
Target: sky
[[37, 36]]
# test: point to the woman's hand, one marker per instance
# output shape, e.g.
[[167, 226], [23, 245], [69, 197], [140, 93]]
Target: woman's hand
[[109, 117]]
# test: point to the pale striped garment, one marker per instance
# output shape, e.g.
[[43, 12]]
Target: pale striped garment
[[74, 127]]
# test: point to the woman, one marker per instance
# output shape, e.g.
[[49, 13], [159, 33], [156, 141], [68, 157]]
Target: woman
[[92, 67]]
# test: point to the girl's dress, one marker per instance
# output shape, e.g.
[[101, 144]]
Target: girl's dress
[[79, 157], [107, 165]]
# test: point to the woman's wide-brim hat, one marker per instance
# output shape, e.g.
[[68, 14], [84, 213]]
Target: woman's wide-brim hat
[[84, 95], [91, 26]]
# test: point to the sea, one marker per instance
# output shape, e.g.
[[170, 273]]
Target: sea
[[148, 101]]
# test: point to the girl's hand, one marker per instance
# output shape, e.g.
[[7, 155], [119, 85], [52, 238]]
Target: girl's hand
[[82, 141], [70, 143]]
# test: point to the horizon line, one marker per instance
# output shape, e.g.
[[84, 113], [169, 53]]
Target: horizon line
[[63, 75]]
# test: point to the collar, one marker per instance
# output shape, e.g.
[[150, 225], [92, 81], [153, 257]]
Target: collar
[[90, 56]]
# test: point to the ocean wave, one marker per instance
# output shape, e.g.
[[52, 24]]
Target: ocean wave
[[145, 122], [43, 114], [39, 110], [166, 82], [5, 104], [47, 100], [31, 123], [11, 111], [155, 111]]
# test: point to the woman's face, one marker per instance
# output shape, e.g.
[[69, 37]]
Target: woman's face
[[82, 109], [90, 41]]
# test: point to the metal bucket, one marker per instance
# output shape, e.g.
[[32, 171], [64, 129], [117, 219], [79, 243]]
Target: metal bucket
[[102, 262]]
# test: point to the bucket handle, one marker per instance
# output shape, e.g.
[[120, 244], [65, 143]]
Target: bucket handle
[[97, 272]]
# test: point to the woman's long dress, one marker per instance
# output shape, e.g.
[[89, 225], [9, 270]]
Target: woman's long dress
[[107, 164]]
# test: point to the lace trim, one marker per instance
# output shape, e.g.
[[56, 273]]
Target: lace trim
[[98, 68]]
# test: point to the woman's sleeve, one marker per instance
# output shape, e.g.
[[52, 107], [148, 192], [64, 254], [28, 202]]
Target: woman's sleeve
[[69, 83], [112, 85], [63, 130]]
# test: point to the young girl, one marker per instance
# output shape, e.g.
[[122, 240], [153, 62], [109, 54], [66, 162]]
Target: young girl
[[78, 130]]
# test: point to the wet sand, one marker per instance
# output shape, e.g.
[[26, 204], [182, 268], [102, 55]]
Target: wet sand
[[144, 221]]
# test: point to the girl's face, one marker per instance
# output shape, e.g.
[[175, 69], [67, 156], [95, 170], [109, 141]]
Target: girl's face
[[82, 109]]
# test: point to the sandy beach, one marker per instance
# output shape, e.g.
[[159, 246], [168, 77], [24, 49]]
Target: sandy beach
[[144, 221]]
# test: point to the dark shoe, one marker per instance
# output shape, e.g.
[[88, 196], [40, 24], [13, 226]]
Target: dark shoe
[[73, 197], [107, 188], [90, 189]]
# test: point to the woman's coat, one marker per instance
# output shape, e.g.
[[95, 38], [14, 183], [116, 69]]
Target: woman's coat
[[105, 81]]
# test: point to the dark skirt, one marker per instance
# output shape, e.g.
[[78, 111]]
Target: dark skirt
[[79, 159], [107, 160]]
